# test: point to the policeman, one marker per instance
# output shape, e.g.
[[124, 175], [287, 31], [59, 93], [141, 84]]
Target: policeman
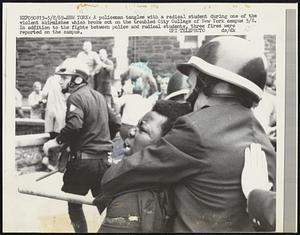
[[86, 133], [203, 154]]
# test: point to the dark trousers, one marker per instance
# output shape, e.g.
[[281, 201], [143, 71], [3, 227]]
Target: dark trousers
[[80, 177], [77, 218]]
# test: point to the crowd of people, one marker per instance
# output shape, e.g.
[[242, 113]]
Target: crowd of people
[[184, 138]]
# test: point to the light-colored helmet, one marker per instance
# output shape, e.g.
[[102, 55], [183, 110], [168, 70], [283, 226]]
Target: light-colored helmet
[[74, 67], [233, 60]]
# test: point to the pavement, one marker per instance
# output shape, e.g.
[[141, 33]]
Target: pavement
[[39, 214]]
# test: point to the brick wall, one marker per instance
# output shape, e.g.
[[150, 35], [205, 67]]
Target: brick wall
[[270, 51], [164, 52], [38, 57]]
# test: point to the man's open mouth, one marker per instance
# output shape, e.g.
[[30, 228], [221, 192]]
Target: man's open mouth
[[127, 147]]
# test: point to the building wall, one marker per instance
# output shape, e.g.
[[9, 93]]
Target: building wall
[[37, 58], [163, 52], [270, 51]]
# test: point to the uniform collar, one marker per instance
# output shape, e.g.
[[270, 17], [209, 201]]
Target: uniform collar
[[216, 100], [79, 87]]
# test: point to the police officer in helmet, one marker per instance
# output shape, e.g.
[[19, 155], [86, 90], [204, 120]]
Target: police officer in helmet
[[203, 154], [87, 135]]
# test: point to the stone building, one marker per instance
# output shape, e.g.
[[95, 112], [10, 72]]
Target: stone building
[[38, 57]]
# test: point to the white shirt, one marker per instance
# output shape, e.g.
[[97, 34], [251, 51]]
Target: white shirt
[[18, 99], [91, 59], [56, 100], [33, 99], [135, 108]]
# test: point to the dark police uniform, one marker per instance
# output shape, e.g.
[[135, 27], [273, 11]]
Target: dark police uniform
[[262, 209], [202, 157], [87, 134]]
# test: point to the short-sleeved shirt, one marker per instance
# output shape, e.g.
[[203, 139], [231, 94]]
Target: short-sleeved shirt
[[34, 99], [91, 59], [135, 107], [56, 100], [56, 104]]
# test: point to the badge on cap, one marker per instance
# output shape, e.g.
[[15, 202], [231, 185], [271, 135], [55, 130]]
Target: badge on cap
[[72, 108]]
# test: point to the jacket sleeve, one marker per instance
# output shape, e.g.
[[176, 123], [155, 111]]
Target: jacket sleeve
[[124, 76], [162, 163], [262, 209], [114, 121], [74, 120]]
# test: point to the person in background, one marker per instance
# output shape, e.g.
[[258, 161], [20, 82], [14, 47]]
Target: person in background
[[265, 111], [261, 202], [54, 99], [86, 133], [144, 210], [178, 87], [103, 78], [202, 155], [132, 107], [92, 60], [34, 101], [271, 83], [56, 106], [163, 86], [140, 70], [18, 104]]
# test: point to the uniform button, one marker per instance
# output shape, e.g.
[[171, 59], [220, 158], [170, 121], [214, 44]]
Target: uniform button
[[258, 223], [73, 157], [254, 220]]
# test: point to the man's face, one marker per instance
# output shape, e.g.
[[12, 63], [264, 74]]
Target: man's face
[[164, 85], [87, 46], [192, 80], [148, 131], [103, 54], [37, 87], [64, 81]]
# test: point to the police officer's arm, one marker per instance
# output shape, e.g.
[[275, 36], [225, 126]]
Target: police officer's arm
[[74, 120], [163, 163], [261, 206], [114, 121]]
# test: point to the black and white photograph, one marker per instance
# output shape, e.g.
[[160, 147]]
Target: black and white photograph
[[147, 133]]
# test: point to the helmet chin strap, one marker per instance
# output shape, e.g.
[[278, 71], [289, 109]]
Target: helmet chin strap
[[75, 81]]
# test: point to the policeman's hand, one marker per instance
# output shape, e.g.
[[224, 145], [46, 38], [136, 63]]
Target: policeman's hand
[[255, 172], [48, 145], [101, 202]]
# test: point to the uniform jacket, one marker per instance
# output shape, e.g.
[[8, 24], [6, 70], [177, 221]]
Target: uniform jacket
[[87, 122], [262, 209], [202, 157]]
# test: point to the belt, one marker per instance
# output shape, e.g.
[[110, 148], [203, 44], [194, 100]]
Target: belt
[[87, 156]]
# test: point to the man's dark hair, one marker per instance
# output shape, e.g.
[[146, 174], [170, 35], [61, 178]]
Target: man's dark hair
[[172, 110]]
